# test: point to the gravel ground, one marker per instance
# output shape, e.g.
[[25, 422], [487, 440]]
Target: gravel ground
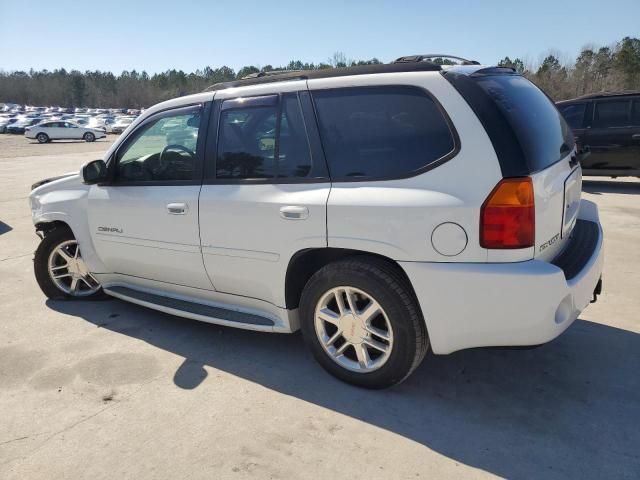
[[12, 146], [112, 390]]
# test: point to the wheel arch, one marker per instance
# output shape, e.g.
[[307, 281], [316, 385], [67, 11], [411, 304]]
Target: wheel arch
[[45, 227], [304, 263]]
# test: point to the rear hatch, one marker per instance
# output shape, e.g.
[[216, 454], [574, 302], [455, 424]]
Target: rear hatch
[[531, 138]]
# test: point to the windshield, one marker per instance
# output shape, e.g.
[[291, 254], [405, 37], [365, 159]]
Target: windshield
[[542, 132]]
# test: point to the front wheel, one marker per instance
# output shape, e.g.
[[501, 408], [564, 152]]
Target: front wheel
[[89, 137], [360, 319], [60, 269]]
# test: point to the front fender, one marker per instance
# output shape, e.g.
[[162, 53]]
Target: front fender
[[65, 201]]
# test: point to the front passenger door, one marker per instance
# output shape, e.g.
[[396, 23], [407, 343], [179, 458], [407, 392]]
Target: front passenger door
[[144, 223]]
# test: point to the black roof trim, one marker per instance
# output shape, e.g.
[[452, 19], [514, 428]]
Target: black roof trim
[[591, 96], [285, 75], [495, 71]]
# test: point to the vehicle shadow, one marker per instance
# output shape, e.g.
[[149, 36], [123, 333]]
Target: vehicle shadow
[[4, 228], [598, 187], [568, 409]]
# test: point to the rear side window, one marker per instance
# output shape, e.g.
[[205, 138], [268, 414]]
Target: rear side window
[[573, 114], [263, 142], [381, 132], [612, 113], [635, 113], [540, 129]]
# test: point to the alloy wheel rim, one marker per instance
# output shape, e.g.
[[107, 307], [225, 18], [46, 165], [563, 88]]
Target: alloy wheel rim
[[353, 329], [69, 272]]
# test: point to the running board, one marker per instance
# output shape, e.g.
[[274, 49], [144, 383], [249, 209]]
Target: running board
[[193, 310]]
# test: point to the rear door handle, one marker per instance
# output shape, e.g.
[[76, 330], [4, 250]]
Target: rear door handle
[[294, 212], [636, 136], [177, 208]]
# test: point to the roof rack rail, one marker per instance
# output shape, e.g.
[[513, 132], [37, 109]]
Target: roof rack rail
[[285, 75], [270, 74], [429, 57]]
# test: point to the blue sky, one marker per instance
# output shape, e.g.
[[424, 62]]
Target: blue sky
[[158, 35]]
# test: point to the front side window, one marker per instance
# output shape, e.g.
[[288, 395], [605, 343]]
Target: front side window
[[573, 114], [381, 132], [263, 141], [612, 113], [163, 150]]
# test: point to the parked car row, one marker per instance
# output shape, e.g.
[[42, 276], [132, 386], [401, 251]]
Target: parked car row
[[53, 123], [17, 108]]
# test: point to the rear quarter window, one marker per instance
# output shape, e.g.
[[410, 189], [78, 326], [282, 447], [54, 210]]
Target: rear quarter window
[[382, 132], [543, 134]]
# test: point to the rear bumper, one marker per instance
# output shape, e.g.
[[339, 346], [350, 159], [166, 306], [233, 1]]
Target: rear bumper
[[469, 305]]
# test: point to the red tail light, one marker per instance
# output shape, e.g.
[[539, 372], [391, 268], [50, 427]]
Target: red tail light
[[507, 217]]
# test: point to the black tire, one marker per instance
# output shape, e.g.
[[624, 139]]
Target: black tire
[[40, 266], [42, 137], [385, 283], [89, 137]]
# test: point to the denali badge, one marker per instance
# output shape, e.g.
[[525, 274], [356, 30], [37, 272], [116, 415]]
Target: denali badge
[[110, 229], [550, 242]]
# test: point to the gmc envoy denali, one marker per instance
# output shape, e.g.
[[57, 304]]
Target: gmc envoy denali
[[383, 210]]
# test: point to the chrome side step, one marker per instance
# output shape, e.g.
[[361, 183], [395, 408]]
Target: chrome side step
[[193, 310]]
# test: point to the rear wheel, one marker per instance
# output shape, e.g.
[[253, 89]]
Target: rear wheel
[[89, 137], [42, 138], [361, 321], [60, 269]]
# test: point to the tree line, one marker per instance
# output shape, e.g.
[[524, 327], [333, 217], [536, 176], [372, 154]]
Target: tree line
[[612, 68]]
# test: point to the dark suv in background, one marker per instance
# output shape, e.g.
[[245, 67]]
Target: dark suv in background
[[607, 129]]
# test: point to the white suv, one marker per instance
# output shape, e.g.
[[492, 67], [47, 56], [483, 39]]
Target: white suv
[[382, 209]]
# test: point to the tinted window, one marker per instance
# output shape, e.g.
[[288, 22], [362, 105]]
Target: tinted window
[[380, 132], [162, 150], [573, 114], [540, 129], [635, 113], [612, 113], [258, 142]]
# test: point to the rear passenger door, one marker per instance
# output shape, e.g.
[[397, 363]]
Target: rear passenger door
[[265, 190], [375, 137], [70, 130], [611, 137]]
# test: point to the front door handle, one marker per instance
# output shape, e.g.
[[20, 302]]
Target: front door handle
[[636, 136], [294, 212], [177, 208]]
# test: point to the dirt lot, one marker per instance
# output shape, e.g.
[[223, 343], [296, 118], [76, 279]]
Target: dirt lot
[[12, 146], [112, 390]]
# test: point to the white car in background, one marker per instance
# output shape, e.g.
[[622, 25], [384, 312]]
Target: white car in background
[[121, 124], [47, 131]]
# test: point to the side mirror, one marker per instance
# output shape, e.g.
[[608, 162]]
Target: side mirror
[[94, 172]]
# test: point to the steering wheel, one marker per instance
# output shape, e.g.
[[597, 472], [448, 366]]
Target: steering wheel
[[173, 147]]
